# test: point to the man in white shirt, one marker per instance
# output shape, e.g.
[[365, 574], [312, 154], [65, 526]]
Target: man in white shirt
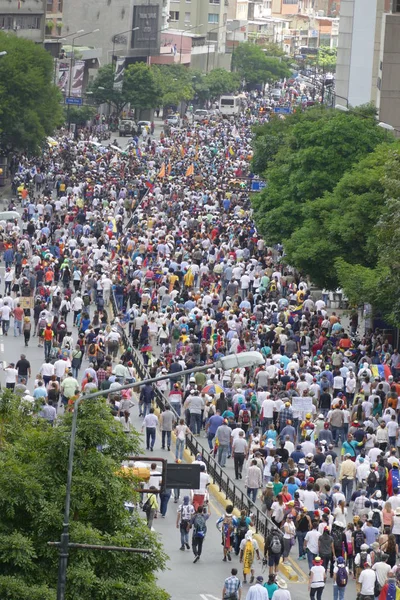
[[311, 543], [267, 410], [200, 496], [11, 376], [5, 313], [367, 580], [60, 366], [150, 423], [47, 371], [76, 306]]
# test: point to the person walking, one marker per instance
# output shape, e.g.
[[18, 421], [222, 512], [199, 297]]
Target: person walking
[[347, 477], [248, 550], [184, 517], [253, 480], [316, 579], [223, 435], [151, 506], [150, 423], [165, 496], [340, 579], [199, 523], [258, 591], [232, 589], [367, 580], [181, 431], [167, 421], [282, 593], [26, 329], [239, 451]]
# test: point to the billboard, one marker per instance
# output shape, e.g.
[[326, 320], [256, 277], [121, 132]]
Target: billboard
[[62, 75], [119, 74], [146, 19], [78, 72]]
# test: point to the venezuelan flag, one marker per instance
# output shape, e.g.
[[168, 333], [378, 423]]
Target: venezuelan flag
[[382, 371]]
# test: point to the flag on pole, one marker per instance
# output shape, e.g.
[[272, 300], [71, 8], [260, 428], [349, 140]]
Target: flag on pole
[[169, 168], [231, 151], [190, 170], [182, 152], [162, 171]]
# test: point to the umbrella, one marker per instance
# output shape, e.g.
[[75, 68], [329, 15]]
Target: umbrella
[[212, 389]]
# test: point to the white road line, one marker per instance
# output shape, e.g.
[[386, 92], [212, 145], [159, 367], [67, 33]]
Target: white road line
[[1, 347]]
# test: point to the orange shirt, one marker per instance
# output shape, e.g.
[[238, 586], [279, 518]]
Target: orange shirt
[[48, 335]]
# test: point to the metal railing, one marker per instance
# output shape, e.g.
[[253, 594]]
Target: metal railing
[[239, 499]]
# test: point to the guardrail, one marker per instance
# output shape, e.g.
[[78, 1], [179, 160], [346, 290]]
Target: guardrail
[[238, 498]]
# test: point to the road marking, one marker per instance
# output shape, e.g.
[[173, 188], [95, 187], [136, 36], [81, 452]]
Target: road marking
[[208, 597], [1, 347]]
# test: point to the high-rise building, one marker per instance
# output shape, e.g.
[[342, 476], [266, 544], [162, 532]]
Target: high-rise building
[[115, 20], [25, 19], [368, 61]]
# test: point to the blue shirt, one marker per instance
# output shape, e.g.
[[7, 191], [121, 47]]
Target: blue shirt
[[40, 392], [214, 422]]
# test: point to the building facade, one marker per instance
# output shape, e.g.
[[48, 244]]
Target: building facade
[[24, 19]]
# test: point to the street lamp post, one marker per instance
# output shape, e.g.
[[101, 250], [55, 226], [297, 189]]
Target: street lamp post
[[232, 361], [186, 30], [71, 65], [116, 35]]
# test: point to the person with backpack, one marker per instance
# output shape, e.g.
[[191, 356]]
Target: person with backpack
[[360, 560], [245, 417], [248, 549], [273, 549], [303, 526], [242, 527], [199, 524], [340, 579], [184, 517], [225, 525]]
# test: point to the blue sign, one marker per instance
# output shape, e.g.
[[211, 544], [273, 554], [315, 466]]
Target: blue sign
[[257, 185], [71, 100], [282, 110]]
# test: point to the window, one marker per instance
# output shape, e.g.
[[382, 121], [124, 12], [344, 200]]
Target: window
[[290, 2], [213, 18], [188, 1], [174, 15], [60, 5], [215, 2], [396, 6], [187, 17]]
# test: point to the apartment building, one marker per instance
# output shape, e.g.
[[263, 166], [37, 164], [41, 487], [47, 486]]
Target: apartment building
[[24, 19]]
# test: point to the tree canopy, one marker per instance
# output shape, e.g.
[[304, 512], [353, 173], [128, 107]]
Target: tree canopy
[[306, 157], [33, 471], [252, 64], [30, 103]]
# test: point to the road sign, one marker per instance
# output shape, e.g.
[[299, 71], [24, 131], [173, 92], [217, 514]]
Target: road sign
[[257, 185], [282, 110], [71, 100]]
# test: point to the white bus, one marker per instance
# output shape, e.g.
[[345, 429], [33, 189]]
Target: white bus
[[230, 105]]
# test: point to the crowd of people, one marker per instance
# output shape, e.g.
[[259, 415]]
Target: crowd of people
[[166, 227]]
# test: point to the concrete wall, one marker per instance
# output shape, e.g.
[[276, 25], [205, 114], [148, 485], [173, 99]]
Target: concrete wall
[[109, 16], [389, 96]]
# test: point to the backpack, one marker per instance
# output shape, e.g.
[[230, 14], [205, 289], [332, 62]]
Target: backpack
[[242, 528], [284, 473], [273, 469], [372, 480], [342, 577], [200, 527], [376, 518], [363, 558], [301, 474], [245, 417], [92, 349], [358, 539], [337, 535], [275, 544], [381, 474]]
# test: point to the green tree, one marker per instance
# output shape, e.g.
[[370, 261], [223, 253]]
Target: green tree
[[103, 92], [30, 103], [221, 81], [142, 87], [341, 224], [318, 147], [33, 471], [81, 114], [255, 67], [326, 59], [175, 83]]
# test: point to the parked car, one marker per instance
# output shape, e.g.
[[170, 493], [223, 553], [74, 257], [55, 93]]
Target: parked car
[[200, 114], [173, 120], [126, 127]]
